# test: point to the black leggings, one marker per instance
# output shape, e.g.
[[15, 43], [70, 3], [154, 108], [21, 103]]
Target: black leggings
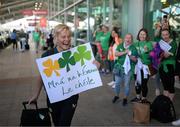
[[63, 111], [143, 86], [167, 78], [14, 43]]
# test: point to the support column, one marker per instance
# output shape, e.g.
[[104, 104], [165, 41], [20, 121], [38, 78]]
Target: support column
[[65, 13], [132, 17], [110, 14], [48, 12], [135, 16], [88, 24], [104, 11], [52, 7], [75, 25], [59, 4], [148, 16]]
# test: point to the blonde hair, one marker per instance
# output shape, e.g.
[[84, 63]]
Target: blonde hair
[[58, 29], [130, 35]]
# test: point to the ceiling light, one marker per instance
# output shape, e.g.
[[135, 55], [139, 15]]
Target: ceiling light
[[163, 1]]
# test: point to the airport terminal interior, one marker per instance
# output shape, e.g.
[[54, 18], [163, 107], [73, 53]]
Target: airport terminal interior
[[19, 71]]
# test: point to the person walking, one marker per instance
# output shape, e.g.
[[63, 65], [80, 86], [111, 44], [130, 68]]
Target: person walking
[[14, 39], [36, 38], [62, 112]]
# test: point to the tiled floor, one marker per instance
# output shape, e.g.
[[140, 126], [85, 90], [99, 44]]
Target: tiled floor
[[18, 77]]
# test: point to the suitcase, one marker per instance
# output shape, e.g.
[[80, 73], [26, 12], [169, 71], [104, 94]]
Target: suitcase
[[27, 47], [35, 117]]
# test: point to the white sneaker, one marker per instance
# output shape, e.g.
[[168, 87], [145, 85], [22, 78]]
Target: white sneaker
[[111, 83], [177, 122], [113, 86]]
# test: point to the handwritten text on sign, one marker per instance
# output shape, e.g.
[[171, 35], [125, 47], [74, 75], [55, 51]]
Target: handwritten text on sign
[[68, 73]]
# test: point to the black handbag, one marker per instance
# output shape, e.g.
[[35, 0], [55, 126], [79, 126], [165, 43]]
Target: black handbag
[[35, 117]]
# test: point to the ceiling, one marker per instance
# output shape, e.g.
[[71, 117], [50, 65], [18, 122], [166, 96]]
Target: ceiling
[[12, 9]]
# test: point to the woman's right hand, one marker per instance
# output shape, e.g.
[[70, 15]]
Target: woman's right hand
[[34, 98], [95, 62]]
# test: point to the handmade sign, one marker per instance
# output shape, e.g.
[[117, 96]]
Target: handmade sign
[[164, 45], [68, 73]]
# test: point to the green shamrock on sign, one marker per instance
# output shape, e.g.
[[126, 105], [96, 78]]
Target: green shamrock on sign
[[66, 60], [82, 54]]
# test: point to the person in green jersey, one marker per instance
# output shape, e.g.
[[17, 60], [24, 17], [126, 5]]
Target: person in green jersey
[[36, 38], [167, 65], [124, 67], [142, 72], [104, 41], [97, 34]]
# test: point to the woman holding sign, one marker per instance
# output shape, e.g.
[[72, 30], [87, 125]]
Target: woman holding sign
[[62, 112], [167, 65]]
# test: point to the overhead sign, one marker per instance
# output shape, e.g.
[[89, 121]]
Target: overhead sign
[[34, 12], [69, 73], [43, 22]]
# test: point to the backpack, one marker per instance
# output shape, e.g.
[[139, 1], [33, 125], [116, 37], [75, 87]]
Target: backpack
[[162, 109]]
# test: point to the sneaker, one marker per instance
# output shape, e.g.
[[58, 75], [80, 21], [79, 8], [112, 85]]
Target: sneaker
[[103, 70], [113, 86], [135, 99], [124, 103], [145, 101], [177, 122], [107, 71], [111, 83], [115, 99]]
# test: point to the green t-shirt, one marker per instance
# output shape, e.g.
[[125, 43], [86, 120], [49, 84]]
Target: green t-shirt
[[144, 55], [171, 59], [36, 36], [42, 41], [98, 35], [121, 59], [104, 39]]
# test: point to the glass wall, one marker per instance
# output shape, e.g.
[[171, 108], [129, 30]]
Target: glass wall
[[154, 12], [86, 16]]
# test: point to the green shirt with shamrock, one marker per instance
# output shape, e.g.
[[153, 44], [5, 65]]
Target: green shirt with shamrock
[[144, 48], [121, 59]]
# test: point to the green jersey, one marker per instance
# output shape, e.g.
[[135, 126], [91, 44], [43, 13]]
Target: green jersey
[[121, 59], [171, 59], [36, 36], [98, 35], [144, 52], [104, 39]]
